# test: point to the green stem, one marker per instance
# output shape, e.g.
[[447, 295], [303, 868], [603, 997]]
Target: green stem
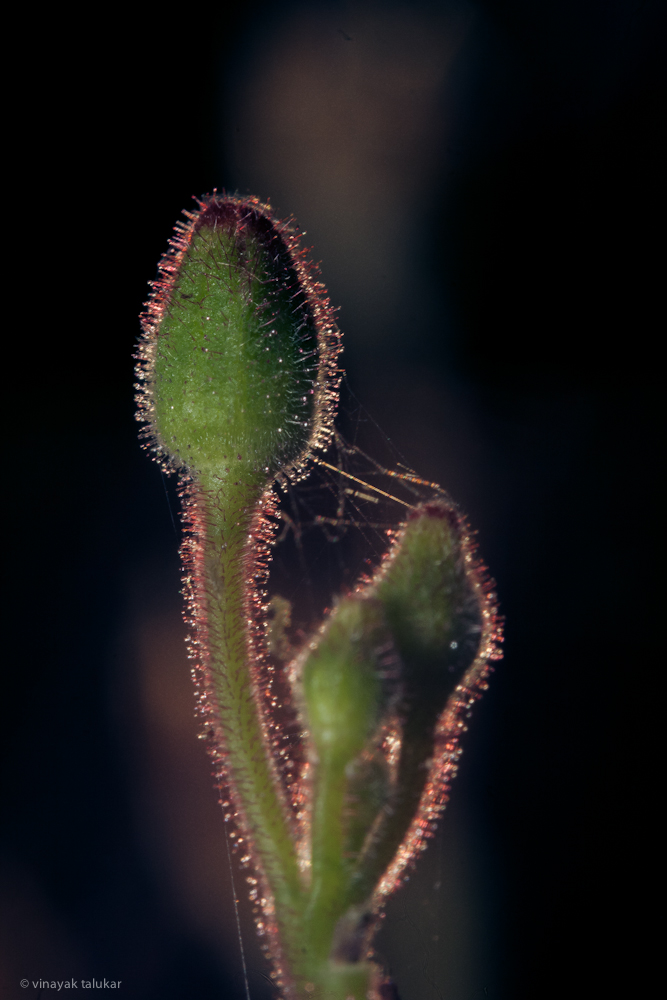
[[328, 899], [329, 878], [227, 559], [227, 554]]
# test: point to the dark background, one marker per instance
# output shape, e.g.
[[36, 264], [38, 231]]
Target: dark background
[[480, 182]]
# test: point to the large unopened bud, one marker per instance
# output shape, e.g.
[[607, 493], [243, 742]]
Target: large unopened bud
[[239, 349]]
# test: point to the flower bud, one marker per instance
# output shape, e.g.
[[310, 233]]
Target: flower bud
[[434, 605], [238, 357], [392, 661], [342, 690]]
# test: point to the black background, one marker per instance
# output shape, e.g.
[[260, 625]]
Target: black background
[[543, 233]]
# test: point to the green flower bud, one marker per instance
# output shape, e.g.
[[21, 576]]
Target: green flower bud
[[434, 605], [238, 358], [441, 613], [405, 652], [342, 691]]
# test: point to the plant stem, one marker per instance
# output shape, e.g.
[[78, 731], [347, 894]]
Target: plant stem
[[226, 555], [223, 570]]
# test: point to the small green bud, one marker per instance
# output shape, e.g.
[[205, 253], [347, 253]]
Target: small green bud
[[441, 614], [434, 604], [238, 357], [342, 690], [392, 661]]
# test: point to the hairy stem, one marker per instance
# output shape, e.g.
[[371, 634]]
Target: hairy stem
[[223, 580]]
